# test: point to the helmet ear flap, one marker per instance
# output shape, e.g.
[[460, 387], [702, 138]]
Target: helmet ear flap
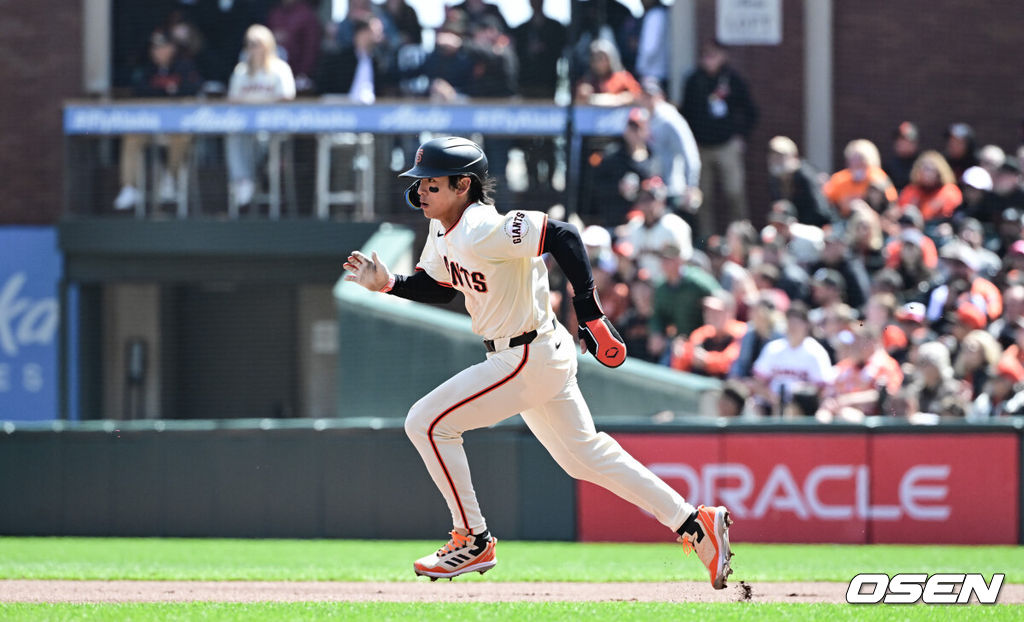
[[412, 195]]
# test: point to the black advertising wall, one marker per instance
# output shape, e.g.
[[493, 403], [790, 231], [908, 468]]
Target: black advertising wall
[[236, 482]]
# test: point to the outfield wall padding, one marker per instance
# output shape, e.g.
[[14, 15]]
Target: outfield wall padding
[[887, 482]]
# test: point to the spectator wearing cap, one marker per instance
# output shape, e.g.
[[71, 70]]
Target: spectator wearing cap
[[990, 158], [165, 73], [790, 276], [718, 106], [863, 378], [794, 363], [607, 82], [910, 232], [1003, 394], [960, 147], [732, 276], [615, 173], [932, 188], [827, 287], [887, 280], [836, 255], [1006, 186], [654, 227], [795, 180], [805, 242], [964, 285], [677, 300], [911, 320], [977, 360], [1009, 229], [934, 382], [905, 149], [733, 400], [712, 348], [762, 328], [976, 188], [863, 168], [1004, 328], [1013, 355], [966, 318], [675, 154]]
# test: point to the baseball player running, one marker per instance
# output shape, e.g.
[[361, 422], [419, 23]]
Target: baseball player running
[[495, 261]]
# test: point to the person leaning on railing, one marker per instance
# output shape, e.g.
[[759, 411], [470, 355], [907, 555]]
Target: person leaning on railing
[[262, 77]]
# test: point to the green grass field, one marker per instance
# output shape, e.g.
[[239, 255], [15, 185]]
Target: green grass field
[[330, 560]]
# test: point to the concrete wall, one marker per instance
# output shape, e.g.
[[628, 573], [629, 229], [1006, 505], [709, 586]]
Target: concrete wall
[[318, 351], [131, 312]]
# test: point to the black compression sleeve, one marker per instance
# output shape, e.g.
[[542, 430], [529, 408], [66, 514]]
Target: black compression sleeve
[[563, 241], [419, 287]]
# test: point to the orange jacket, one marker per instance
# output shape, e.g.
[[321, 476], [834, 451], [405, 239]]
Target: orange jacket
[[841, 187], [718, 359], [990, 294], [939, 203], [929, 254]]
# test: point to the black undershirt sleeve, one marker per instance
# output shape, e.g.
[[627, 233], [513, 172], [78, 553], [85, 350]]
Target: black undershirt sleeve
[[563, 241], [419, 287]]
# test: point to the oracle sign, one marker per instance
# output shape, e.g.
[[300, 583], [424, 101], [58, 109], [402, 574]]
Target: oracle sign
[[844, 488]]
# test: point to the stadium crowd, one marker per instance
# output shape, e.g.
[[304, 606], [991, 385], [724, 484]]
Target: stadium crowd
[[894, 286]]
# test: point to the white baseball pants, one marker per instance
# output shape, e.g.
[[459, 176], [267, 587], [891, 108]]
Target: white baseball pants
[[537, 380]]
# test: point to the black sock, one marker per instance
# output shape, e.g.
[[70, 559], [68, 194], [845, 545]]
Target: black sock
[[690, 525], [483, 536]]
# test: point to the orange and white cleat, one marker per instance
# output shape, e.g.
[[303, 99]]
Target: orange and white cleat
[[708, 534], [462, 554]]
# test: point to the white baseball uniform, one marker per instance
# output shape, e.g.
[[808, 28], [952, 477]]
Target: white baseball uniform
[[495, 261]]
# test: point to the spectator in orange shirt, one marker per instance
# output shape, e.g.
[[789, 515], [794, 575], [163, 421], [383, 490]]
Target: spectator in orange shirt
[[607, 83], [1013, 357], [964, 285], [863, 167], [862, 378], [911, 232], [711, 349], [932, 188]]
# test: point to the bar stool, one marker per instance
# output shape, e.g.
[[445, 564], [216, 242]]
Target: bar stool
[[280, 150], [150, 173], [359, 148]]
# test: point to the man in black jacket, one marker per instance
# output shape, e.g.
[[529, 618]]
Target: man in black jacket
[[719, 109], [796, 181]]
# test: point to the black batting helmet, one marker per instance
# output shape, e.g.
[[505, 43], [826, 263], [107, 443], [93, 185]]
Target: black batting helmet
[[451, 155]]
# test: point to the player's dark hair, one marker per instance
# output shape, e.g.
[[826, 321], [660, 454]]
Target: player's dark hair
[[480, 190]]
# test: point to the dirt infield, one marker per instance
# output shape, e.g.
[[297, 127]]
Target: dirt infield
[[441, 591]]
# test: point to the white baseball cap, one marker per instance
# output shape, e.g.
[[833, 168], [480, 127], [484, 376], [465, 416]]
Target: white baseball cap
[[977, 177]]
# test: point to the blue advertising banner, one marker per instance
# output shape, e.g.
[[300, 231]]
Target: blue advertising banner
[[311, 118], [30, 271]]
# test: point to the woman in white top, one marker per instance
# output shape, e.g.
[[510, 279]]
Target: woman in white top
[[261, 77]]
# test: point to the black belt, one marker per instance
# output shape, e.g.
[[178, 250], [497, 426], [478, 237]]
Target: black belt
[[521, 340]]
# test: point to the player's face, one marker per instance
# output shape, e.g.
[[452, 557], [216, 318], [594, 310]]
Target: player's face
[[439, 200]]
